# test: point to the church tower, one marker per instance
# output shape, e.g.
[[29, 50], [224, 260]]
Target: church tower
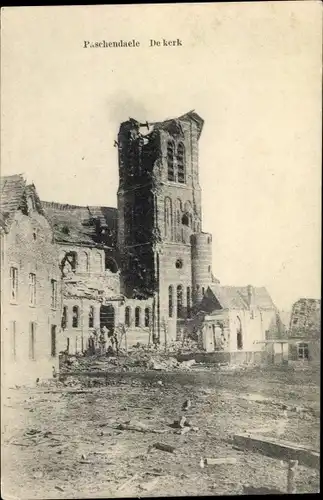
[[160, 219]]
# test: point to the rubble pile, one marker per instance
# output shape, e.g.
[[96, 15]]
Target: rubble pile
[[182, 347], [140, 358]]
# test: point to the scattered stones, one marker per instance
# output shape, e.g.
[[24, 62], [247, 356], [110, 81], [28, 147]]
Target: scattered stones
[[38, 474], [139, 427], [186, 365], [162, 447], [221, 461], [186, 405], [185, 430]]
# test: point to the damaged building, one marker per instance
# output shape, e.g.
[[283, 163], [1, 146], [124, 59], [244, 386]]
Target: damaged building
[[145, 267], [145, 264], [90, 274], [160, 236], [236, 321], [30, 286], [304, 336]]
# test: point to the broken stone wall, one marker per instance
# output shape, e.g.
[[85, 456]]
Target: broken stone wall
[[306, 319]]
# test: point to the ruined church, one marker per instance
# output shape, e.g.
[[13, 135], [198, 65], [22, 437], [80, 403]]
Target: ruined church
[[144, 268], [147, 263]]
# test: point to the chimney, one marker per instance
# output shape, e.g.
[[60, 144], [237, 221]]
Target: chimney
[[251, 296]]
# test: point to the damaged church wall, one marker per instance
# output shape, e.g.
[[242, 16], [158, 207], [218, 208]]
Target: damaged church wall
[[162, 221], [178, 218], [87, 285]]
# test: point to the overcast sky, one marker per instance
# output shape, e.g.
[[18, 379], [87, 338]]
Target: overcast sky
[[253, 73]]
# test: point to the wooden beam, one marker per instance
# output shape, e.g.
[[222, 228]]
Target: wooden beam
[[282, 450]]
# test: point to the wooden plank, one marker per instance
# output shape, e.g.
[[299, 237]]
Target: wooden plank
[[282, 450]]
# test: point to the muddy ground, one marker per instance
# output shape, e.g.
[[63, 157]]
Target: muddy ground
[[62, 441]]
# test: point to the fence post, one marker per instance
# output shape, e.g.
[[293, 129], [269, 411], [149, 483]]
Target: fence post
[[291, 486]]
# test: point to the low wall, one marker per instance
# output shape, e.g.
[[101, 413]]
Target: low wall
[[236, 357]]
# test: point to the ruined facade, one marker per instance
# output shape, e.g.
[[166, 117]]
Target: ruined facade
[[90, 274], [30, 286], [143, 270], [305, 330], [160, 235], [146, 264]]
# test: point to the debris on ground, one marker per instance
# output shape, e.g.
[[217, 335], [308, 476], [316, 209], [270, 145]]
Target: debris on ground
[[150, 485], [186, 365], [162, 447], [68, 423], [221, 461], [186, 405], [128, 482], [139, 427], [185, 430]]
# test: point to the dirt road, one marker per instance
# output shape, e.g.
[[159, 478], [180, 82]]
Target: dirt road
[[63, 442]]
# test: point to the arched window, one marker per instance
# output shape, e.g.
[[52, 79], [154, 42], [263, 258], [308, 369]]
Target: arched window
[[170, 301], [69, 262], [107, 317], [98, 262], [137, 316], [64, 317], [181, 163], [147, 317], [178, 220], [127, 316], [85, 262], [75, 322], [202, 291], [168, 218], [110, 264], [186, 220], [188, 300], [188, 217], [179, 300], [91, 317], [170, 161]]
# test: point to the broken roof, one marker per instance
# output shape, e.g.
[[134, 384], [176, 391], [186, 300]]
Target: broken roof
[[173, 125], [236, 297], [79, 224], [12, 189]]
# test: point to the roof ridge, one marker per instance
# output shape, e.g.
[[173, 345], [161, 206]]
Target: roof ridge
[[67, 206], [61, 206]]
